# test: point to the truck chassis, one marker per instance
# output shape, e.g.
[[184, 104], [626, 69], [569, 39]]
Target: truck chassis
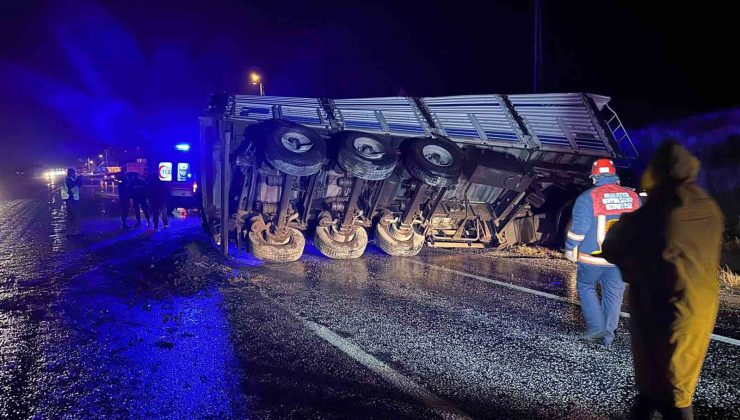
[[450, 172]]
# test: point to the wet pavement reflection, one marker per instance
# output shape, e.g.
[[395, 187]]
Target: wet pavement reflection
[[86, 332], [497, 352], [149, 324]]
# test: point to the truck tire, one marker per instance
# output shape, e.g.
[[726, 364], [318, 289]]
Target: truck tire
[[292, 148], [328, 245], [399, 248], [289, 251], [436, 162], [365, 156]]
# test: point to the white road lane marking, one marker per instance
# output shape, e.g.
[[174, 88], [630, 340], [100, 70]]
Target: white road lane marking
[[717, 337], [403, 383]]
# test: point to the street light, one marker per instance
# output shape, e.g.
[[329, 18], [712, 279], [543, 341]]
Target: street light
[[256, 79]]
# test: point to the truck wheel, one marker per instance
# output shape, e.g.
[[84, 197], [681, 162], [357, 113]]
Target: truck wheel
[[286, 252], [365, 156], [292, 148], [393, 244], [332, 246], [436, 162]]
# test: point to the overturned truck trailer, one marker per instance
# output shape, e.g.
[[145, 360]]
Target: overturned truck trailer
[[457, 171]]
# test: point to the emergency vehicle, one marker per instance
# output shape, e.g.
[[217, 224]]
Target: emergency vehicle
[[176, 169]]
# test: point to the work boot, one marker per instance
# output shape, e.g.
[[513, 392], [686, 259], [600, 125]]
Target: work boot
[[606, 341], [124, 225], [593, 336]]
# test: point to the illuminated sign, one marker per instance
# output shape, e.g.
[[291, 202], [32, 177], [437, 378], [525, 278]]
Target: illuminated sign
[[183, 171], [165, 171]]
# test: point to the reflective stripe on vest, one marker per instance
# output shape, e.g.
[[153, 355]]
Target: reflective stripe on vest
[[590, 259], [575, 236]]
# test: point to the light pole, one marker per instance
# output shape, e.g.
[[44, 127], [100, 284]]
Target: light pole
[[537, 61], [256, 79]]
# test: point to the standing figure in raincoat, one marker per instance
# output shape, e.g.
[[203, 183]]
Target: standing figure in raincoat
[[593, 212], [669, 252]]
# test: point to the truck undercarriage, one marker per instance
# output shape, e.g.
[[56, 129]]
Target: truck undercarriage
[[461, 171]]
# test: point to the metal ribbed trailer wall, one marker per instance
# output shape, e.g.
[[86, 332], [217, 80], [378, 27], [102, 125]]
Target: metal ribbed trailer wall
[[455, 171]]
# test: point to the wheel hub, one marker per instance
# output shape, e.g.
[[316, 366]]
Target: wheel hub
[[296, 142], [341, 235], [369, 148], [401, 232], [276, 237], [437, 155]]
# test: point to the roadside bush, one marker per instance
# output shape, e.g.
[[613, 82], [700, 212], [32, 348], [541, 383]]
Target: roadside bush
[[728, 278]]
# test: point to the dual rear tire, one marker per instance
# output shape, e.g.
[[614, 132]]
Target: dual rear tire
[[434, 161], [397, 243], [290, 250], [338, 246], [292, 148], [366, 156], [300, 151]]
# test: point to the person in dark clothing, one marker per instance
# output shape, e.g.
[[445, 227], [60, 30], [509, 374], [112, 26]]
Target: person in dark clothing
[[159, 197], [138, 193], [71, 196], [593, 212], [124, 196], [669, 252]]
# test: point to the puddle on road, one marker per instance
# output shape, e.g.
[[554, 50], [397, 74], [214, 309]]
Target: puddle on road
[[114, 323]]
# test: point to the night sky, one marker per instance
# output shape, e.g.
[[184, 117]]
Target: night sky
[[76, 76]]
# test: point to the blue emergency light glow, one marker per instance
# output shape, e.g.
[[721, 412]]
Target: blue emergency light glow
[[183, 147]]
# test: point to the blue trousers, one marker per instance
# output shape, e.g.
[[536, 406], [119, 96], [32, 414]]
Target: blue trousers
[[600, 315]]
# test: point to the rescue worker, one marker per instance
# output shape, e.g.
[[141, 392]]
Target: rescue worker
[[669, 252], [138, 192], [159, 196], [71, 195], [593, 212]]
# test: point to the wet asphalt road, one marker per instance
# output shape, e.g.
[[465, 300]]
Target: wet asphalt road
[[152, 325]]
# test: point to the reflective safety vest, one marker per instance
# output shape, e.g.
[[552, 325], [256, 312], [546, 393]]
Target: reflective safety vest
[[594, 212]]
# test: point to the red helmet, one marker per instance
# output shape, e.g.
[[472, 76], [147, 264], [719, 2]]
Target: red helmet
[[603, 167]]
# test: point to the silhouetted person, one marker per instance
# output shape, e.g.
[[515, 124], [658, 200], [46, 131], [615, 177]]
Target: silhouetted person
[[138, 192], [159, 197], [593, 212], [124, 197], [669, 252], [71, 195]]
